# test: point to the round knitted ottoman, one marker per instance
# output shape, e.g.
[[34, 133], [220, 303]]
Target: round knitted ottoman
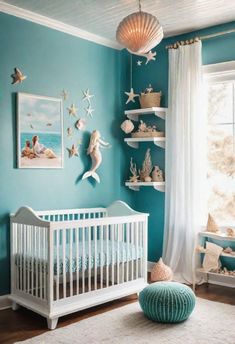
[[167, 302]]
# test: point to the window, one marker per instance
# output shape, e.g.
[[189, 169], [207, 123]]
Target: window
[[221, 146]]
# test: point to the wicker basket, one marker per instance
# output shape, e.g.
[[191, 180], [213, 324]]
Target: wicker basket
[[152, 99], [141, 134]]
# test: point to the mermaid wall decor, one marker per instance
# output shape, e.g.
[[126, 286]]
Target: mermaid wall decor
[[94, 151]]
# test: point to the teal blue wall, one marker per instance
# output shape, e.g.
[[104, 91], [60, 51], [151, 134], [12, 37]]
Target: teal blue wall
[[215, 50], [52, 61]]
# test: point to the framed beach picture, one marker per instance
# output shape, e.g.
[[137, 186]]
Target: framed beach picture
[[39, 131]]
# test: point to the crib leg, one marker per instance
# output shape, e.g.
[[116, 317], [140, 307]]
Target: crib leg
[[52, 323], [15, 306]]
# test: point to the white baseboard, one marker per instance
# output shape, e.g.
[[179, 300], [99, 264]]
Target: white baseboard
[[5, 302]]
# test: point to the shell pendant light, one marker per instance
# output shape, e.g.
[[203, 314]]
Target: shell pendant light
[[139, 32]]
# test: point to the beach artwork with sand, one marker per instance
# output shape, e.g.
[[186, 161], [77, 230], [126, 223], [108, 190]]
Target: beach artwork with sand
[[40, 139]]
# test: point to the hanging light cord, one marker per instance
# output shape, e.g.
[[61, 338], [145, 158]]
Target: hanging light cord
[[139, 6], [131, 70]]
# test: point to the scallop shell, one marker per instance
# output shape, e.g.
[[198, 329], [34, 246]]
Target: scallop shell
[[161, 272], [127, 126], [139, 32]]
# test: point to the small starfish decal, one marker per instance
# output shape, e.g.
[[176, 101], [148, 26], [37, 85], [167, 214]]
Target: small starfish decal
[[131, 95], [87, 96], [139, 63], [89, 111], [18, 77], [150, 56], [73, 151], [72, 110]]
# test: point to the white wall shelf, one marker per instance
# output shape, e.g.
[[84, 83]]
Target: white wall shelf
[[157, 111], [159, 186], [212, 277], [223, 254], [134, 142]]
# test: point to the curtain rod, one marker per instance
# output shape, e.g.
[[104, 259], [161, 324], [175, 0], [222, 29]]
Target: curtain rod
[[196, 39]]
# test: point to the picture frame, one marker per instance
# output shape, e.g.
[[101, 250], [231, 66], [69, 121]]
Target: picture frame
[[39, 131]]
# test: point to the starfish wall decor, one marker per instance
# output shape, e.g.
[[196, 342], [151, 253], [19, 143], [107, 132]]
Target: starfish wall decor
[[18, 77]]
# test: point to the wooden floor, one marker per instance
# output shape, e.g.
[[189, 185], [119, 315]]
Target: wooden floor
[[24, 324]]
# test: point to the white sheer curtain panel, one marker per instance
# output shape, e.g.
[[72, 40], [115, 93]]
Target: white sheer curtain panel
[[185, 162]]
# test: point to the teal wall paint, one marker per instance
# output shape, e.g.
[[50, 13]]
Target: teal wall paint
[[52, 61], [215, 50]]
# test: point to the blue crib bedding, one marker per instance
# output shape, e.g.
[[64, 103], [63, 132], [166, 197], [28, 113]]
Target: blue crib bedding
[[109, 254]]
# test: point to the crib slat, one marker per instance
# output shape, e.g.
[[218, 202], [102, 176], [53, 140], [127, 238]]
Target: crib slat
[[101, 256], [32, 259], [136, 247], [113, 252], [95, 256], [64, 261], [118, 254], [24, 257], [132, 250], [127, 251], [123, 262], [141, 246], [57, 264], [107, 255], [89, 257], [36, 262], [28, 255], [83, 260], [41, 261], [77, 257], [71, 260], [44, 260]]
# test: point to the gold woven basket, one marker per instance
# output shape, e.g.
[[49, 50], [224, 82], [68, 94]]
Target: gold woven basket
[[152, 99]]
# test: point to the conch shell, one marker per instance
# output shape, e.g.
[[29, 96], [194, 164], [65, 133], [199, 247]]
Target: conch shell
[[161, 272], [212, 225]]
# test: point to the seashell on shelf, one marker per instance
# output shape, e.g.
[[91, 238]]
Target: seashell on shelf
[[161, 272], [212, 225], [230, 232], [139, 32], [127, 126], [228, 250]]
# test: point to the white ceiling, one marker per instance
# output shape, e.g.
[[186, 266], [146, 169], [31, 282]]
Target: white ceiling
[[101, 17]]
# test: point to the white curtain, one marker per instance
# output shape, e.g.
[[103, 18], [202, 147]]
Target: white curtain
[[185, 147]]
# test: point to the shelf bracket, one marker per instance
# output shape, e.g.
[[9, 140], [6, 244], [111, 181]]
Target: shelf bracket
[[160, 188], [160, 144], [133, 117], [134, 188], [160, 114], [133, 144]]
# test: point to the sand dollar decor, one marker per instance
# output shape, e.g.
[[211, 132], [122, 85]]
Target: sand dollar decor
[[161, 272], [167, 302]]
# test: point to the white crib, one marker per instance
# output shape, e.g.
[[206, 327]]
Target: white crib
[[63, 261]]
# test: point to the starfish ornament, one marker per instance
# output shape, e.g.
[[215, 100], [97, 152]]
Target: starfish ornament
[[87, 96], [18, 77], [139, 63], [73, 151], [131, 95], [150, 56], [64, 94], [80, 124], [72, 110], [89, 111]]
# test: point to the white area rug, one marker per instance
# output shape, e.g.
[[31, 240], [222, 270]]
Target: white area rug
[[210, 323]]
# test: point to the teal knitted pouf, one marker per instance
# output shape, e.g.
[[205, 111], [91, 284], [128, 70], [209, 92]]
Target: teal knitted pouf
[[167, 302]]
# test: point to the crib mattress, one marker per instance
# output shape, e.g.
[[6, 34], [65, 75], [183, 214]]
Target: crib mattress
[[112, 253]]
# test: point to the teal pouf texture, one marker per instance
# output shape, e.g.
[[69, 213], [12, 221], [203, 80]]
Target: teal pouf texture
[[167, 302]]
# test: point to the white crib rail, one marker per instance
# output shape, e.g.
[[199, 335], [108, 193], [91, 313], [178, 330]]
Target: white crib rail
[[75, 253]]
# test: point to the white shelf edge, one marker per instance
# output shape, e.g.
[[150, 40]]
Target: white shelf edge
[[221, 236], [223, 254], [157, 111], [134, 141], [214, 274], [159, 186]]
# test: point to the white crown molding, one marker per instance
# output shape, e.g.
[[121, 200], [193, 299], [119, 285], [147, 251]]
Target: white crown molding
[[5, 302], [56, 25]]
